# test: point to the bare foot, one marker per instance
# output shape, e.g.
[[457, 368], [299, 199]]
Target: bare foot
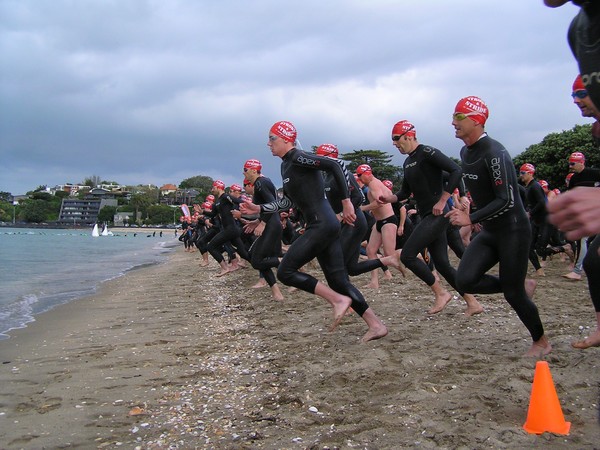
[[593, 340], [292, 289], [376, 332], [223, 272], [473, 306], [540, 273], [277, 295], [204, 264], [440, 302], [394, 261], [372, 285], [259, 284], [530, 286], [539, 348], [387, 275], [339, 311]]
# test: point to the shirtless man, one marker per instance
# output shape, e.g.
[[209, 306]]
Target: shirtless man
[[386, 225]]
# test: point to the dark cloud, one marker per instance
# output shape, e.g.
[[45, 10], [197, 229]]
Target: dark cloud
[[155, 92]]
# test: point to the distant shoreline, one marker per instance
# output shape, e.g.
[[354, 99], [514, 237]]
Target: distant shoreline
[[80, 228]]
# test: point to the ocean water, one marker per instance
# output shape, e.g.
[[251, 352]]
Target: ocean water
[[43, 268]]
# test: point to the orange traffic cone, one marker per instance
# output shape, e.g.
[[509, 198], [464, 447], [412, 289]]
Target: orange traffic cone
[[545, 413]]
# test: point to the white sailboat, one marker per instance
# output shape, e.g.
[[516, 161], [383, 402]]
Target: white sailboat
[[105, 230], [95, 231]]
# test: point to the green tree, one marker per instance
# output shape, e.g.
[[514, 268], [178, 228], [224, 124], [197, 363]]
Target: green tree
[[379, 161], [160, 215], [551, 155], [200, 182], [140, 203], [107, 214], [36, 210]]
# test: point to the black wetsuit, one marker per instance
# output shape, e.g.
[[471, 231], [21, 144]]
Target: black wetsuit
[[303, 187], [230, 231], [351, 236], [265, 250], [491, 180], [424, 178], [591, 263], [541, 230]]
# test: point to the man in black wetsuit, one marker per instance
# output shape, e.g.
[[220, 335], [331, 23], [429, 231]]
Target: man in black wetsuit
[[230, 231], [576, 212], [303, 187], [541, 229], [266, 249], [351, 236], [505, 237], [424, 178]]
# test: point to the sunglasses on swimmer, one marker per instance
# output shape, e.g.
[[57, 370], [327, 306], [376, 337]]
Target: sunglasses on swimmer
[[397, 138], [462, 116], [582, 93]]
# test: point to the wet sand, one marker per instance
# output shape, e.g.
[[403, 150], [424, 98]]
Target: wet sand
[[169, 356]]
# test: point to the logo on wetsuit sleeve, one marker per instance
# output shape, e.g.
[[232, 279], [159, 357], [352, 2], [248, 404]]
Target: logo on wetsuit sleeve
[[496, 172], [308, 161]]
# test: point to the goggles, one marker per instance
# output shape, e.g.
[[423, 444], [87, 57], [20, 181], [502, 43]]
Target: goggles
[[582, 93], [397, 138], [462, 116]]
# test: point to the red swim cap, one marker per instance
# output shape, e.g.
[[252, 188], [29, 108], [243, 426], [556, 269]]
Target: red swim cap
[[577, 157], [253, 164], [327, 150], [578, 84], [219, 185], [235, 187], [285, 130], [528, 168], [363, 168], [544, 184], [473, 105], [210, 198], [247, 182], [556, 191], [388, 184], [206, 205], [404, 127]]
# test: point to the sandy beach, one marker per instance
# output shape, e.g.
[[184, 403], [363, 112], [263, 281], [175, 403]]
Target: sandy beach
[[169, 356]]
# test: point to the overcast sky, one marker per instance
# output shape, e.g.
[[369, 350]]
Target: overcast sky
[[142, 92]]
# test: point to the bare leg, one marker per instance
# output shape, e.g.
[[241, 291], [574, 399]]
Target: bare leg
[[593, 340], [442, 297], [393, 260], [377, 329], [372, 247], [204, 261], [473, 306], [539, 348], [339, 302], [224, 269], [277, 295]]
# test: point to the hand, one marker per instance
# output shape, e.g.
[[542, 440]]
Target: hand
[[249, 208], [348, 211], [400, 230], [250, 226], [236, 214], [258, 231], [576, 212], [458, 217], [438, 208]]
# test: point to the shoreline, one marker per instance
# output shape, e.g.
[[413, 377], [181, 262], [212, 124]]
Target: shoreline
[[169, 355]]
